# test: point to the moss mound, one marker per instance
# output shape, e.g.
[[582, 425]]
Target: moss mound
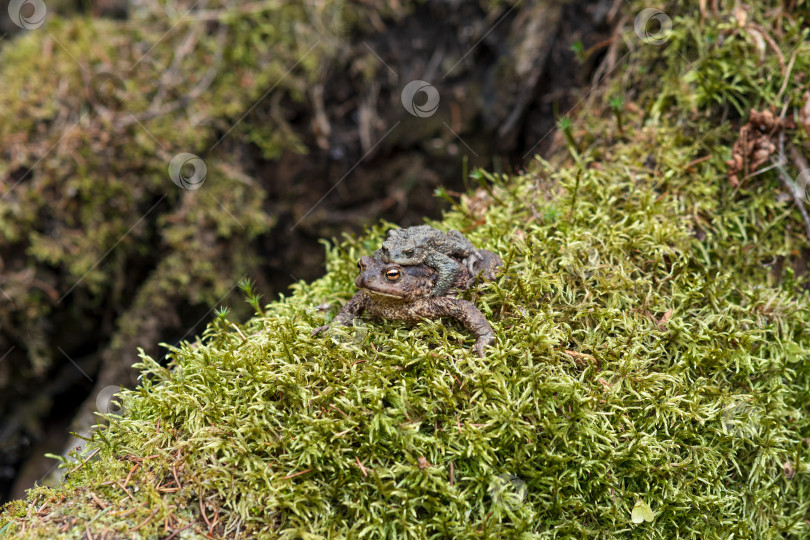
[[651, 354]]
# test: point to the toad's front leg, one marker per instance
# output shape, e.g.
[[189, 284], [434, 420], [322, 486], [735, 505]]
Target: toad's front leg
[[348, 313], [447, 269], [470, 317]]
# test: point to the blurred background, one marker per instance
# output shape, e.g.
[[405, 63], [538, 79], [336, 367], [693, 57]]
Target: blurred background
[[156, 153]]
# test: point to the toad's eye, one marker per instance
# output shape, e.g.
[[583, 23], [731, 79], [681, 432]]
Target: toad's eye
[[393, 274], [408, 252]]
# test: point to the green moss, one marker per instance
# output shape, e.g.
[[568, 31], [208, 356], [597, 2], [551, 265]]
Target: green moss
[[646, 350]]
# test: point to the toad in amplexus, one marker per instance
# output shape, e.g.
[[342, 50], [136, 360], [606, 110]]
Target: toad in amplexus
[[425, 245], [393, 291]]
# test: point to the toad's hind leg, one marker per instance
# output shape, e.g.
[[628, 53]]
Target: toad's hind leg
[[468, 315]]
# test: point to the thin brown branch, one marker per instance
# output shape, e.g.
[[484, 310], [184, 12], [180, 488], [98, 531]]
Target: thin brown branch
[[83, 463], [362, 467], [772, 43], [202, 508], [178, 531], [129, 476], [293, 475], [787, 78], [144, 522]]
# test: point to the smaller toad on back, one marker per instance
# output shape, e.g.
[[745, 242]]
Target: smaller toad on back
[[425, 245], [391, 291]]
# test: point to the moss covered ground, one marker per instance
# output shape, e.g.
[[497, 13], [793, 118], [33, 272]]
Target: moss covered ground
[[652, 350]]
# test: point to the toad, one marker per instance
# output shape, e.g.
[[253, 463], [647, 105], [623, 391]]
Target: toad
[[425, 245], [393, 291]]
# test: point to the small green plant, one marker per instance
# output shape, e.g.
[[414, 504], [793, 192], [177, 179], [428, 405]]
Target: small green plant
[[616, 104], [253, 298], [565, 125], [579, 51], [222, 313]]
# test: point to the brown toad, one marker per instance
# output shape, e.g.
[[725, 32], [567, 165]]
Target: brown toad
[[392, 291], [435, 248]]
